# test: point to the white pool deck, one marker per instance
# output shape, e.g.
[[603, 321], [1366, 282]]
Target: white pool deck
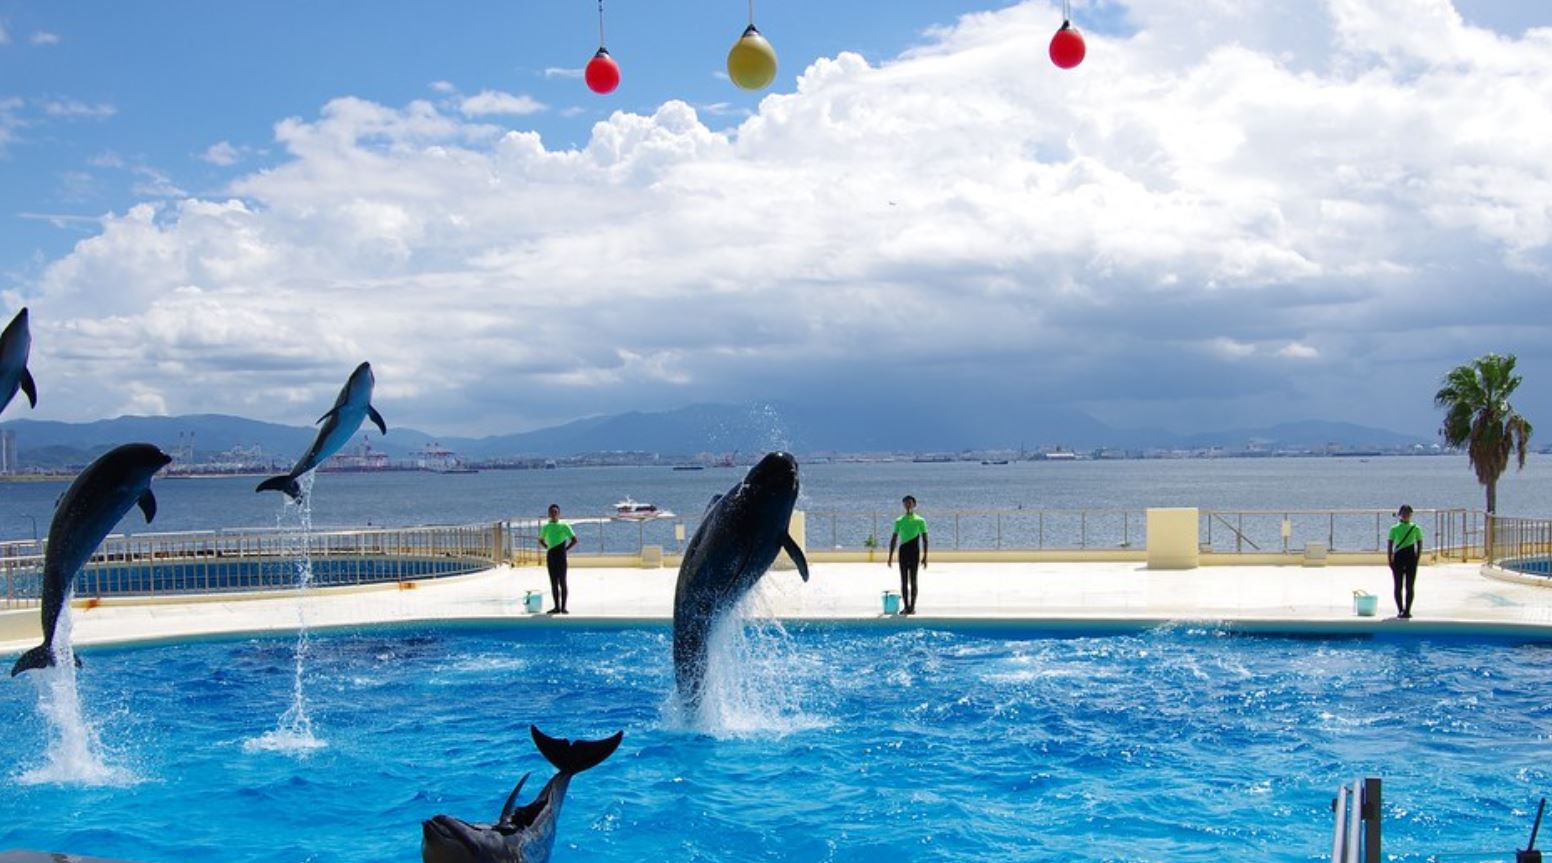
[[1452, 599]]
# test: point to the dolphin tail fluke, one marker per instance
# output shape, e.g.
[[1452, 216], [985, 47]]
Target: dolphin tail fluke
[[285, 483], [41, 656], [575, 756]]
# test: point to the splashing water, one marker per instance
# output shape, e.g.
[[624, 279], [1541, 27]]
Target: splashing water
[[74, 753], [293, 732], [752, 682]]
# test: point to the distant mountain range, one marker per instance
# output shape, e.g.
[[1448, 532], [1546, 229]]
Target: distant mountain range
[[704, 428]]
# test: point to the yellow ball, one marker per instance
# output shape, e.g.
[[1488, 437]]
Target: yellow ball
[[752, 61]]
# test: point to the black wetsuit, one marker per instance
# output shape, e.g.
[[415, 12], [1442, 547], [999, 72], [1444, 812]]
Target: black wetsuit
[[910, 559], [555, 561], [1403, 573]]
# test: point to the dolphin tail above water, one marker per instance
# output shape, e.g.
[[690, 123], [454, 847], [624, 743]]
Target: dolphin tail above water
[[574, 756], [285, 482]]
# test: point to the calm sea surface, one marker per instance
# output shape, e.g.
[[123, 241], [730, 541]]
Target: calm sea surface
[[408, 498]]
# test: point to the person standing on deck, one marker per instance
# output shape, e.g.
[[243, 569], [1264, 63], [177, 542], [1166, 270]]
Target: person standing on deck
[[911, 534], [1402, 551], [556, 538]]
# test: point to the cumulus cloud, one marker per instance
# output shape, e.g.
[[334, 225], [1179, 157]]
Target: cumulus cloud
[[222, 153], [489, 102], [43, 37], [1256, 209]]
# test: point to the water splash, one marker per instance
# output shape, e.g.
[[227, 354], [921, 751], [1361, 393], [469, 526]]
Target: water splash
[[74, 753], [293, 732], [752, 685]]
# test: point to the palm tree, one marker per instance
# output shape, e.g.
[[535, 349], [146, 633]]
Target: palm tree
[[1477, 414]]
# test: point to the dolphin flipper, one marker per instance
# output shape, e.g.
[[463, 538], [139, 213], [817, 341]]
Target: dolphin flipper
[[574, 756], [29, 387], [285, 483], [377, 418], [332, 411], [147, 504], [790, 546]]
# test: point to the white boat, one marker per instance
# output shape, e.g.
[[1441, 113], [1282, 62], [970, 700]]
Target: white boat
[[635, 510]]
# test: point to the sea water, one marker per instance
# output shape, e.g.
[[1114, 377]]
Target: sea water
[[413, 498], [878, 743]]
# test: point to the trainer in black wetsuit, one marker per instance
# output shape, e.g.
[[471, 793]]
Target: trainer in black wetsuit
[[911, 534], [557, 538], [1403, 550]]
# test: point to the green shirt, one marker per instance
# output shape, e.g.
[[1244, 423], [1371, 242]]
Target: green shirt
[[909, 527], [555, 534], [1405, 534]]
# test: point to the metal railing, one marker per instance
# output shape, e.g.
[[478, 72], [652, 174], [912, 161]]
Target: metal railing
[[242, 560], [1521, 544], [1451, 534], [987, 530]]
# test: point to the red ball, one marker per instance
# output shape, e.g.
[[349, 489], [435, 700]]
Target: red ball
[[602, 73], [1067, 48]]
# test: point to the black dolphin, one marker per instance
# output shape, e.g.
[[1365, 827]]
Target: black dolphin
[[119, 479], [15, 345], [351, 407], [521, 834], [736, 543]]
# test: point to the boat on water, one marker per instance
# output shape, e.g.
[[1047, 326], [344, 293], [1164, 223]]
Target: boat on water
[[635, 510], [689, 467]]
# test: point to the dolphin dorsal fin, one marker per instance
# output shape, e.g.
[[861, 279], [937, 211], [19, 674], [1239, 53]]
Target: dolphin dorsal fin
[[29, 387], [506, 809], [790, 546]]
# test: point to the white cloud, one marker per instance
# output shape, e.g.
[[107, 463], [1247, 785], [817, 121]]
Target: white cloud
[[106, 159], [562, 72], [222, 153], [9, 121], [44, 38], [154, 183], [1161, 229], [443, 87], [495, 102], [5, 36], [75, 109]]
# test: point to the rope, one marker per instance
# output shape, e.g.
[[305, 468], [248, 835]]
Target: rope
[[751, 12], [600, 23], [1066, 9]]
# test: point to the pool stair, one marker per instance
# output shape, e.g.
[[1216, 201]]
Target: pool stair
[[1355, 836]]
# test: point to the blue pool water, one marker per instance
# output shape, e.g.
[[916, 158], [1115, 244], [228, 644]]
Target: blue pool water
[[850, 743]]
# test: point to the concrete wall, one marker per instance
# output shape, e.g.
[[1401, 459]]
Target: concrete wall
[[1173, 538]]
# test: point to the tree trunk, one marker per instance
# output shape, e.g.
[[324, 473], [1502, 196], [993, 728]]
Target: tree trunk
[[1492, 496], [1492, 507]]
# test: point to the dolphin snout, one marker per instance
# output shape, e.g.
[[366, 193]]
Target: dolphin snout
[[776, 467]]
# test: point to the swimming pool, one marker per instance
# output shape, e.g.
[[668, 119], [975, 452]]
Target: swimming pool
[[845, 743]]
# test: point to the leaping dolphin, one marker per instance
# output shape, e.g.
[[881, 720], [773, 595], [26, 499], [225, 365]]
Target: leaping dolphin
[[15, 345], [352, 407], [119, 479], [736, 543], [521, 834]]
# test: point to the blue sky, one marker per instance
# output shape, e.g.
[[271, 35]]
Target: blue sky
[[1230, 215]]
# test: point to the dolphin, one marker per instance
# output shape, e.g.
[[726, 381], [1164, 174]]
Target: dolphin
[[353, 405], [15, 344], [521, 834], [736, 543], [119, 479]]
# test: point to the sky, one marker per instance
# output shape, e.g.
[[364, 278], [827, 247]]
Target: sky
[[1234, 213]]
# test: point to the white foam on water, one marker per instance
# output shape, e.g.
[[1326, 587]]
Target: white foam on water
[[752, 685], [293, 733], [73, 753]]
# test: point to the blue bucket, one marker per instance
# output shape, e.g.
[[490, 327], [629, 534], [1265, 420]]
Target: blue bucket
[[533, 601], [1365, 604], [891, 602]]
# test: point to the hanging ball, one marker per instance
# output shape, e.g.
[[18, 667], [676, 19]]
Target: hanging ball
[[752, 62], [602, 73], [1067, 48]]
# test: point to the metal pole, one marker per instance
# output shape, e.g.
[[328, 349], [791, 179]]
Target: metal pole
[[1355, 821], [1371, 819], [1339, 832]]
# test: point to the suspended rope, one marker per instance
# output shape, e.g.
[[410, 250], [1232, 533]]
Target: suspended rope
[[601, 23]]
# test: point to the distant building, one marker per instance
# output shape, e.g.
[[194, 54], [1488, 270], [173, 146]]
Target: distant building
[[8, 454]]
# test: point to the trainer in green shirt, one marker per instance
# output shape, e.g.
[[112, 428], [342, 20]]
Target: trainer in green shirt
[[911, 535], [1402, 551], [556, 538]]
